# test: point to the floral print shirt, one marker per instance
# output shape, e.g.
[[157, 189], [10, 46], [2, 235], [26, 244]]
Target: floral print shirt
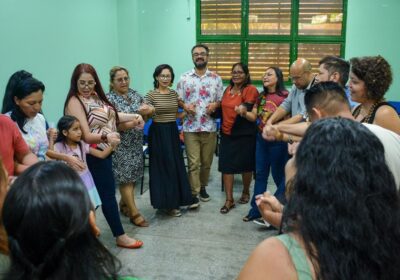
[[36, 135], [201, 91]]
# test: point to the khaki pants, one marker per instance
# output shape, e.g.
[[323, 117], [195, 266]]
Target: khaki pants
[[200, 148]]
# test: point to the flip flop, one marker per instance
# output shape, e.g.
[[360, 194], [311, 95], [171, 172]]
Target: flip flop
[[136, 245]]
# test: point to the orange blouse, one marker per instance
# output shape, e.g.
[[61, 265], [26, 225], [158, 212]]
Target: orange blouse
[[249, 94]]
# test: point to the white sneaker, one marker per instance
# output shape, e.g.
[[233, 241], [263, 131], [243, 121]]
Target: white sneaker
[[174, 212]]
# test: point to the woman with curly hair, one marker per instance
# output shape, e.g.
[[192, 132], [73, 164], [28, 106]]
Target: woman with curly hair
[[342, 219], [370, 78]]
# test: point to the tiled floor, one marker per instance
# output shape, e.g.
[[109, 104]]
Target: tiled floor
[[201, 244]]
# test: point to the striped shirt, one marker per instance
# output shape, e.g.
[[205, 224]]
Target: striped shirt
[[166, 105]]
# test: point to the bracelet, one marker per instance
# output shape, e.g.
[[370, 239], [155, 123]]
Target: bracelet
[[290, 139], [279, 136], [104, 137]]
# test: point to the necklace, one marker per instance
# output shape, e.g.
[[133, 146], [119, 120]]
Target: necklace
[[234, 92], [368, 117]]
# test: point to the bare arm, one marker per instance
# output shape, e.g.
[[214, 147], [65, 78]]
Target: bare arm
[[295, 119], [269, 261], [74, 108], [298, 129], [279, 114], [24, 161], [72, 161], [101, 154], [388, 118], [248, 115], [270, 208]]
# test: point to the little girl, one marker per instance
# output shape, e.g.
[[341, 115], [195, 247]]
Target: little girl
[[69, 142]]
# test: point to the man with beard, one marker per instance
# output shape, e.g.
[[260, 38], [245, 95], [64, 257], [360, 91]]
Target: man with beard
[[200, 92], [302, 78]]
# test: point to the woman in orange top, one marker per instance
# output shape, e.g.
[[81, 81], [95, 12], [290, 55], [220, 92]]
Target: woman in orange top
[[238, 134]]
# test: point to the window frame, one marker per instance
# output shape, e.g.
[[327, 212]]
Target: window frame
[[293, 38]]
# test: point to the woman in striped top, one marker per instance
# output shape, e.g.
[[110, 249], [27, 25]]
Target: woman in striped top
[[169, 184]]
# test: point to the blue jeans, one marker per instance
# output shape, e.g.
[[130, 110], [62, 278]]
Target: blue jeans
[[269, 155]]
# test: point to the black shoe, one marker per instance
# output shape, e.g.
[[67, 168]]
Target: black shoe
[[204, 195], [195, 203]]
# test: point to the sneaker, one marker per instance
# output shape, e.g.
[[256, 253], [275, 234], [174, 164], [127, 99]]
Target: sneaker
[[204, 195], [264, 223], [174, 213], [195, 203]]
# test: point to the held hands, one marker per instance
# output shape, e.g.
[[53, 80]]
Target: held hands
[[113, 138], [52, 134], [75, 163], [271, 133], [241, 110], [190, 109], [211, 107], [146, 109], [270, 208], [139, 122], [268, 202]]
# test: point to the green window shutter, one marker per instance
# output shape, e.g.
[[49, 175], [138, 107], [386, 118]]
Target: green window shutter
[[269, 17], [314, 52], [263, 55], [320, 17], [222, 57], [221, 17], [265, 33]]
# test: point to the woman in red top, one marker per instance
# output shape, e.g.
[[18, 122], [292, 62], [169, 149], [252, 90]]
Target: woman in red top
[[238, 137], [269, 155]]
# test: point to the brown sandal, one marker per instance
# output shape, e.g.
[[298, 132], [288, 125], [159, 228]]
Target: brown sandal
[[142, 223], [124, 209], [244, 198], [229, 204]]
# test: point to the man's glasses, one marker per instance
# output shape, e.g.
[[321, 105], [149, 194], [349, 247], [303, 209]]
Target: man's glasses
[[164, 77], [199, 54], [83, 84], [121, 80]]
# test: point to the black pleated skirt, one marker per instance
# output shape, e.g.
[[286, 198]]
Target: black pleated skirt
[[237, 154], [169, 183]]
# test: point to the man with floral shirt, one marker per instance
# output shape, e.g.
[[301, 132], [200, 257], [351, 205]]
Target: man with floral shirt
[[200, 91]]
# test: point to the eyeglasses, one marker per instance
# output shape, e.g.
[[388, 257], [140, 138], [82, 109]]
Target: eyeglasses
[[237, 73], [199, 54], [123, 79], [83, 84], [164, 77]]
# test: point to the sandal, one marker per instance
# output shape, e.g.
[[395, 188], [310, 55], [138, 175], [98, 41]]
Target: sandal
[[124, 209], [249, 218], [244, 198], [229, 204], [142, 223]]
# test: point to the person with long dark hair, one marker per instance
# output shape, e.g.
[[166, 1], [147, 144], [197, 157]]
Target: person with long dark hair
[[342, 218], [12, 84], [169, 182], [25, 105], [59, 238], [269, 155], [238, 137], [98, 119]]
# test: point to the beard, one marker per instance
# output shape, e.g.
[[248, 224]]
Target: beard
[[200, 63]]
